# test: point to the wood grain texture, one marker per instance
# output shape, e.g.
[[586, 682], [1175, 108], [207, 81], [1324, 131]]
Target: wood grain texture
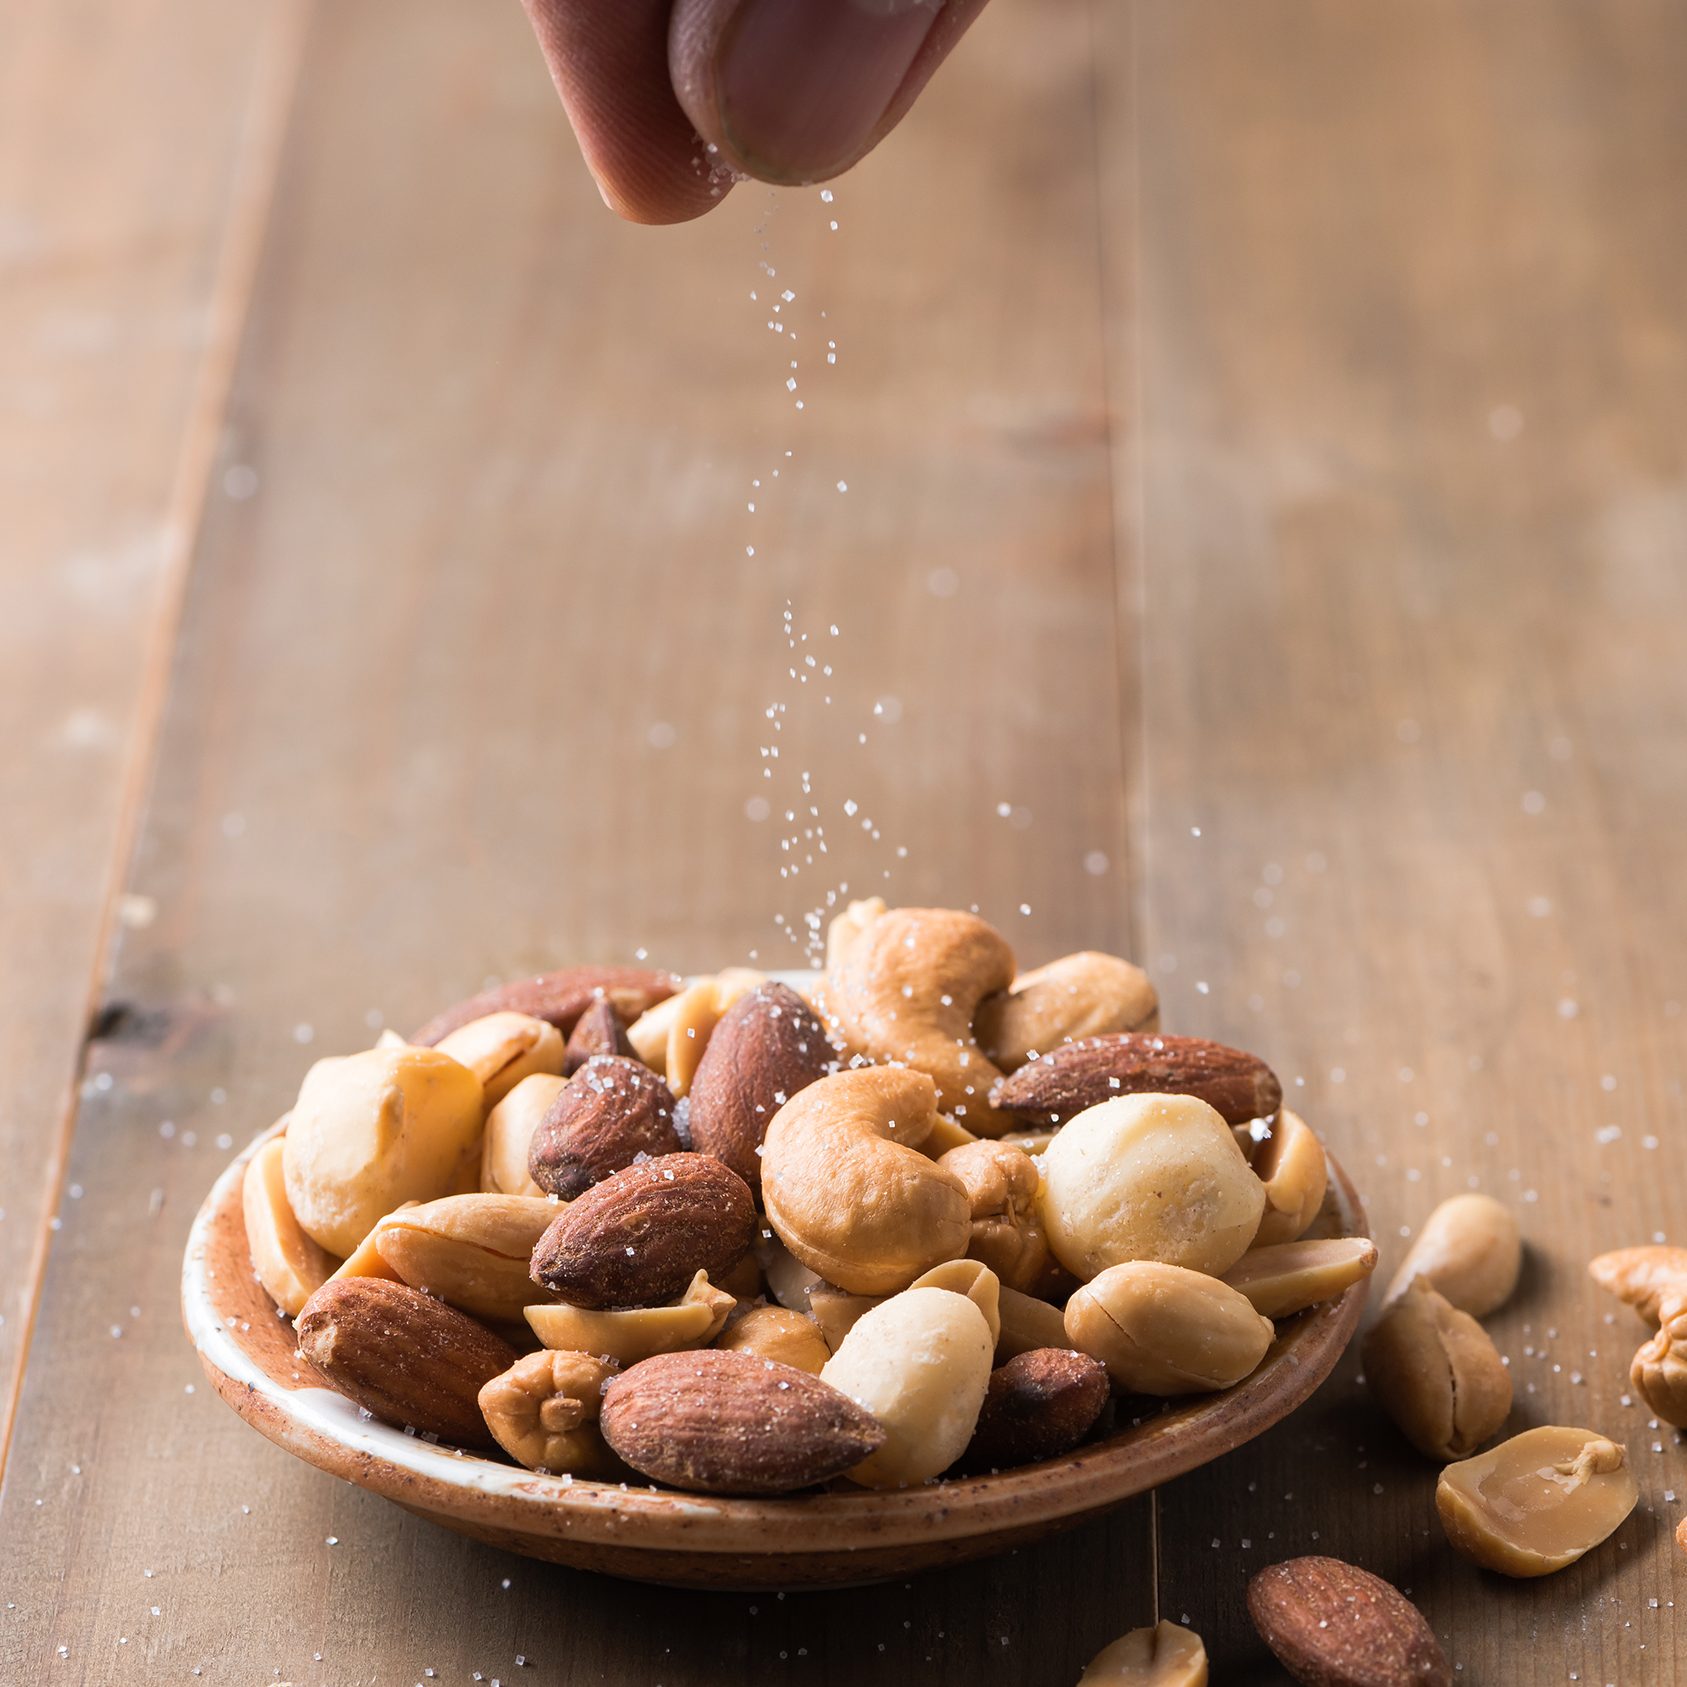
[[1404, 319], [473, 680], [127, 182]]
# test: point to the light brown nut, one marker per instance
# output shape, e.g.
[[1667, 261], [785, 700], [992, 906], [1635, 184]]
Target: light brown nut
[[599, 1030], [1083, 995], [767, 1048], [1537, 1502], [631, 1333], [1332, 1624], [1659, 1371], [907, 989], [972, 1278], [470, 1250], [543, 1412], [671, 1038], [371, 1130], [1162, 1656], [734, 1423], [1292, 1276], [1643, 1277], [1471, 1250], [849, 925], [1059, 1085], [558, 998], [920, 1364], [365, 1259], [847, 1190], [602, 1119], [1037, 1406], [835, 1313], [502, 1049], [1290, 1163], [287, 1262], [1031, 1142], [1434, 1371], [1003, 1187], [1161, 1329], [1027, 1324], [407, 1358], [777, 1333], [640, 1236], [509, 1134], [1155, 1177]]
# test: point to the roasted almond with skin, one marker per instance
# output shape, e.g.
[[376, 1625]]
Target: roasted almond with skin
[[1063, 1083], [611, 1111], [1038, 1406], [641, 1235], [1332, 1624], [558, 998], [733, 1423], [599, 1030], [407, 1358], [767, 1046]]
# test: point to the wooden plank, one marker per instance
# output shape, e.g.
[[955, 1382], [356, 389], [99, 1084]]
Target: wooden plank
[[127, 143], [1402, 318], [475, 679]]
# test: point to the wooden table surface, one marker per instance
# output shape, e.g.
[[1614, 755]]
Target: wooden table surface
[[1264, 552]]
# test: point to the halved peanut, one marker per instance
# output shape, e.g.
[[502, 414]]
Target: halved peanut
[[365, 1259], [1471, 1250], [1290, 1163], [671, 1037], [629, 1334], [503, 1048], [472, 1251], [1162, 1656], [289, 1264], [975, 1280], [509, 1133], [1295, 1275], [837, 1313], [1027, 1324]]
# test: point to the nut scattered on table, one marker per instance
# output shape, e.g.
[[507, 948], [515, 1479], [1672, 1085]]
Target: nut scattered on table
[[1471, 1250], [1162, 1656], [1538, 1502], [1643, 1277], [1659, 1371]]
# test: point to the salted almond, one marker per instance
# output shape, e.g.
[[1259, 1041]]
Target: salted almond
[[1038, 1405], [609, 1114], [288, 1263], [599, 1030]]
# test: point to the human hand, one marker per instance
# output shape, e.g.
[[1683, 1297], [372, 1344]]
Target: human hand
[[783, 90]]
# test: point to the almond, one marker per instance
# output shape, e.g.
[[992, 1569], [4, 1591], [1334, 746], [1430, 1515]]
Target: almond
[[599, 1030], [734, 1423], [611, 1111], [767, 1046], [1038, 1405], [1058, 1085], [1332, 1624], [409, 1359], [559, 998], [641, 1235]]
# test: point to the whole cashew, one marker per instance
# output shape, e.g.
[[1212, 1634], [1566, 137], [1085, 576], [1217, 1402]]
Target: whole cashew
[[846, 1188], [907, 988]]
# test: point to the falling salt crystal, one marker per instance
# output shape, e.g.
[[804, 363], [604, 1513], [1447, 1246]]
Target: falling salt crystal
[[1533, 802], [825, 196], [790, 383], [1095, 863], [843, 485]]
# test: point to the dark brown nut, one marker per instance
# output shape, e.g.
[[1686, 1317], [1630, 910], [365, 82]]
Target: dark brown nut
[[734, 1423], [1064, 1082], [558, 998], [605, 1116], [409, 1359], [767, 1046], [1332, 1624], [599, 1030], [1038, 1406], [641, 1235], [1002, 1186]]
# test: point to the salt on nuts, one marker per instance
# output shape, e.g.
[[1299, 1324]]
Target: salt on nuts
[[671, 1037], [907, 988], [1162, 1656], [920, 1363], [1537, 1502], [1163, 1329], [1659, 1371], [1643, 1277], [1149, 1177], [1434, 1371], [288, 1263], [543, 1412], [975, 1280], [777, 1333], [1471, 1250], [1088, 994], [509, 1133], [1290, 1163], [502, 1049], [1291, 1276], [629, 1334], [1027, 1324], [472, 1251], [1002, 1186], [612, 1112], [371, 1130], [847, 1190]]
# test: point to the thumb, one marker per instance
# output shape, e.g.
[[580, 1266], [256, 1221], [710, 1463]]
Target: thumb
[[799, 90]]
